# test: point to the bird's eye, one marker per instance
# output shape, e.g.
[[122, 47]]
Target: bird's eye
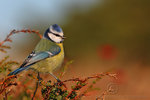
[[57, 35]]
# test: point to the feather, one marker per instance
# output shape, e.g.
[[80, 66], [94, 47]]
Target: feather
[[44, 49]]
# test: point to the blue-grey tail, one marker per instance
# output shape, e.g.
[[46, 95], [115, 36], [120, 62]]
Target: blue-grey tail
[[18, 71]]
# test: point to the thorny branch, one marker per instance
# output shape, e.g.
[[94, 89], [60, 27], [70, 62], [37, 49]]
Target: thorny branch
[[80, 83], [7, 83], [7, 39], [112, 89]]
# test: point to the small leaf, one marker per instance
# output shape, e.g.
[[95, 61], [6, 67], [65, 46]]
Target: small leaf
[[5, 46], [2, 50], [4, 59], [72, 87], [9, 64], [65, 68], [94, 82]]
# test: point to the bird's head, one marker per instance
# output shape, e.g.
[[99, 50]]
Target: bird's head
[[54, 33]]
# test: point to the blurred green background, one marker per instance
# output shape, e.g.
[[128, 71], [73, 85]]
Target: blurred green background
[[100, 33], [88, 25]]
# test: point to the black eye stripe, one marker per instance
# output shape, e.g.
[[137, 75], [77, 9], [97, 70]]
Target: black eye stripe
[[56, 35]]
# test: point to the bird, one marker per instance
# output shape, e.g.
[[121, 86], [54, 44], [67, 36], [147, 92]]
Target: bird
[[48, 54]]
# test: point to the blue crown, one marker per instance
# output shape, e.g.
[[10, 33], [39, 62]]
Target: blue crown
[[55, 27]]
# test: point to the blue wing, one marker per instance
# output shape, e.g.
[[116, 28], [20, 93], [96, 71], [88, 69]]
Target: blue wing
[[32, 59], [27, 59]]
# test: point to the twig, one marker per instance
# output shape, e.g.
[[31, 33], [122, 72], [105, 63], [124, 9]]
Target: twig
[[107, 92], [77, 87], [100, 75], [37, 83], [7, 83], [7, 39]]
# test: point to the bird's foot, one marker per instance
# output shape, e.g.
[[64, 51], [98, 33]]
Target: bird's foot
[[59, 83], [40, 80]]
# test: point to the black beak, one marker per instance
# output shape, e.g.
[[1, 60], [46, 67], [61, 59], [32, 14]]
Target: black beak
[[63, 37]]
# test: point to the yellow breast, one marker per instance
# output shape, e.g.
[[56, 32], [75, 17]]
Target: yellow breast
[[50, 64]]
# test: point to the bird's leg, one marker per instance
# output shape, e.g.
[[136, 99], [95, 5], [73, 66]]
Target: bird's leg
[[39, 78], [58, 80], [37, 83]]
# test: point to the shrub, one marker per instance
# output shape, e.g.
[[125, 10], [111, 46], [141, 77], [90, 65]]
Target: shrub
[[49, 90]]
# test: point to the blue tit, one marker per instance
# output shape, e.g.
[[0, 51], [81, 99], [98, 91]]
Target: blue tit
[[48, 55]]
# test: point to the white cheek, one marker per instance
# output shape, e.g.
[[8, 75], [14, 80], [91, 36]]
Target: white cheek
[[53, 31], [61, 34], [55, 38]]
